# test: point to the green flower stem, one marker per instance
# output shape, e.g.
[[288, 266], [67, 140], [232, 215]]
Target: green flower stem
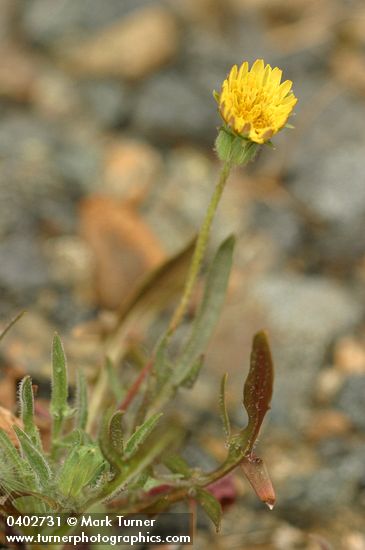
[[200, 247], [159, 503]]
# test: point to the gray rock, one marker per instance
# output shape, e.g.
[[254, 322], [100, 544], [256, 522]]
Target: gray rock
[[107, 100], [78, 163], [171, 108], [337, 191], [22, 266], [351, 400], [303, 316], [27, 175], [326, 491], [328, 177], [282, 225], [48, 167], [45, 21]]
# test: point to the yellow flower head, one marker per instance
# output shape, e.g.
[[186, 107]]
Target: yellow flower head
[[254, 103]]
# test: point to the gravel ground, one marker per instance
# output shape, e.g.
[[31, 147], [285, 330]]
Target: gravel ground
[[107, 126]]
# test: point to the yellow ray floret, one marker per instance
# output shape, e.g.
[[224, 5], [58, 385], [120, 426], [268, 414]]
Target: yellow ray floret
[[254, 103]]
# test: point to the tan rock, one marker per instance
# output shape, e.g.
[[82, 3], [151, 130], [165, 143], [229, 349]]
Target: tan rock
[[203, 12], [7, 420], [349, 356], [353, 541], [131, 48], [18, 72], [124, 247], [28, 345], [329, 382], [131, 168], [327, 423], [287, 537], [349, 68]]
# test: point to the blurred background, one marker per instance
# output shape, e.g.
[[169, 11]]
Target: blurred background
[[106, 166]]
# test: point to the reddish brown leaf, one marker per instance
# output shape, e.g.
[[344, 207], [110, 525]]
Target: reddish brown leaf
[[256, 472], [258, 387]]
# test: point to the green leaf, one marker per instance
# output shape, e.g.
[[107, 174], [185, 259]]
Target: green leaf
[[81, 401], [106, 444], [143, 458], [79, 469], [9, 325], [141, 433], [211, 506], [159, 286], [177, 465], [59, 406], [207, 316], [26, 400], [116, 433], [258, 388], [161, 365], [76, 437], [193, 374], [223, 408], [11, 456], [35, 458], [113, 381], [216, 96]]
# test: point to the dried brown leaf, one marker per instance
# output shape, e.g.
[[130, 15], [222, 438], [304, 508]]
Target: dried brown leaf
[[256, 472]]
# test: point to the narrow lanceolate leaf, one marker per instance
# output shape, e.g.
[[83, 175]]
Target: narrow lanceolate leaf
[[141, 433], [223, 408], [143, 459], [177, 465], [211, 506], [81, 401], [27, 410], [160, 285], [11, 456], [193, 373], [9, 325], [256, 472], [207, 316], [34, 457], [161, 364], [114, 384], [116, 434], [258, 388], [106, 444], [59, 406]]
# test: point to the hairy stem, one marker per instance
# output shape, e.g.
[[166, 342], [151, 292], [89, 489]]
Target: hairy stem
[[200, 247]]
